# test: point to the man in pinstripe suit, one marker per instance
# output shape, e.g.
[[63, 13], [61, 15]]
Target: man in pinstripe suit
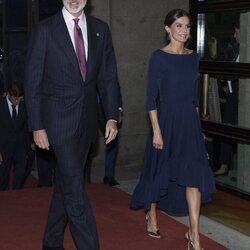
[[62, 111]]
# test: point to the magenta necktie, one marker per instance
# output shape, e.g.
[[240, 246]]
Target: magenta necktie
[[80, 50]]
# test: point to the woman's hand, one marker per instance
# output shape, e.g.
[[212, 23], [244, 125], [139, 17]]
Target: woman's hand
[[157, 140]]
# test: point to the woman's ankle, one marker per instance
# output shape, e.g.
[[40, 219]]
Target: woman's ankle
[[194, 235]]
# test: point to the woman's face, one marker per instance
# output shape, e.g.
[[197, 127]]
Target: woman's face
[[179, 31]]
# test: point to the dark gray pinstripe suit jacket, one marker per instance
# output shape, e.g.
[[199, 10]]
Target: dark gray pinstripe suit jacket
[[56, 95]]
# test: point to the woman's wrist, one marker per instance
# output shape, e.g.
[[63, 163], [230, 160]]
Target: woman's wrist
[[156, 131]]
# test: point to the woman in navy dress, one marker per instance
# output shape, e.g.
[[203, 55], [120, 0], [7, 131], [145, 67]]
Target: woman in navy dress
[[175, 176]]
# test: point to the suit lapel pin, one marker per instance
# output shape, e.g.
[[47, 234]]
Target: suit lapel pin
[[97, 34]]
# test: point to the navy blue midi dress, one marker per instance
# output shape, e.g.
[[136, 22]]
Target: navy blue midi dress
[[172, 91]]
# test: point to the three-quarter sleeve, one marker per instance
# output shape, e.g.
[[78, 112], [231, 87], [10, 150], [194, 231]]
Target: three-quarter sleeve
[[153, 83]]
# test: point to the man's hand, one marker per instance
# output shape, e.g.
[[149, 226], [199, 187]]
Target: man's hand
[[111, 130], [33, 146], [1, 159], [41, 139]]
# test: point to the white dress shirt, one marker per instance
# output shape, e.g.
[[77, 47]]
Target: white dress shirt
[[229, 82], [70, 23], [10, 106]]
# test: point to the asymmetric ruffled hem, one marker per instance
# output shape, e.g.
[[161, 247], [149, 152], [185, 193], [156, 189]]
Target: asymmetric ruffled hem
[[146, 193], [168, 189]]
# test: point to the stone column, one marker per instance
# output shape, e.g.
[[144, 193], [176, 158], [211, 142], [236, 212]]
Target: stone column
[[243, 171]]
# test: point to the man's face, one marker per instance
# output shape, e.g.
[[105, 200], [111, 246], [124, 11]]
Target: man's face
[[237, 35], [15, 100], [74, 7]]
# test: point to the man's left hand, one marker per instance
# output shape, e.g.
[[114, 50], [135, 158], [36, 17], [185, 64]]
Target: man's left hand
[[111, 131]]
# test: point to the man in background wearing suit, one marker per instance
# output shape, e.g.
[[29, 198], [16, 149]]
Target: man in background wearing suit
[[1, 73], [111, 149], [230, 107], [70, 58], [14, 137]]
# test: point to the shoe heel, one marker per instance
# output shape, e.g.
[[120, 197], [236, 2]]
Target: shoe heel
[[151, 233], [190, 245], [188, 240]]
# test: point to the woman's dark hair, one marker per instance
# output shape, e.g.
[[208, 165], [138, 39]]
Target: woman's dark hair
[[171, 17], [15, 88]]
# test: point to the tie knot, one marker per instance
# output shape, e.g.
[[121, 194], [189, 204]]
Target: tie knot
[[13, 106], [76, 20]]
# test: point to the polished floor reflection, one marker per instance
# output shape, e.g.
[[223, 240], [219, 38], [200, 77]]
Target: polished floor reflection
[[230, 210]]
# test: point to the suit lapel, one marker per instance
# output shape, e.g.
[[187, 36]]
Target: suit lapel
[[6, 109], [90, 49], [91, 45], [21, 110], [64, 40]]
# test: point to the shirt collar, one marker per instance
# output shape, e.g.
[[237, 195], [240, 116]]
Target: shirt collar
[[8, 101], [68, 17]]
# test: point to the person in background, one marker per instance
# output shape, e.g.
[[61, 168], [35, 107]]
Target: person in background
[[44, 162], [229, 107], [1, 73], [46, 165], [70, 57], [111, 149], [175, 176], [14, 142]]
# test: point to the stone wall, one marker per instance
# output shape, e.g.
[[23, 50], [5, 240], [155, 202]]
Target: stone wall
[[137, 29], [243, 172]]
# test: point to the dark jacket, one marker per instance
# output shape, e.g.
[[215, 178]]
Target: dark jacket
[[11, 135], [57, 98]]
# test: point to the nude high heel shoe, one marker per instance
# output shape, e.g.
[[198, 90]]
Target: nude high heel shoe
[[191, 245], [150, 232]]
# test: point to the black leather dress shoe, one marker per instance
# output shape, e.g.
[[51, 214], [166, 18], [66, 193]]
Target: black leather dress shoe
[[53, 248], [110, 181]]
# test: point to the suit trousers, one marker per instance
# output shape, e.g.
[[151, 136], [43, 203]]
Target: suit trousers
[[110, 157], [46, 164], [69, 203], [111, 150]]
